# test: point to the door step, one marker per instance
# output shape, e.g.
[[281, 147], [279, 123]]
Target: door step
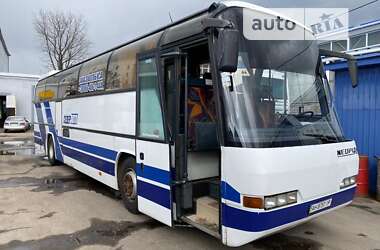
[[207, 210], [198, 223], [207, 216]]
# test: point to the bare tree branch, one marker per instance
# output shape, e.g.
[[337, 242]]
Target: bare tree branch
[[63, 38]]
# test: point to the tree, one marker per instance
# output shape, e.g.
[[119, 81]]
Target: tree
[[63, 38]]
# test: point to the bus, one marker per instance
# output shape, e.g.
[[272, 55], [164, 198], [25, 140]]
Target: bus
[[196, 125]]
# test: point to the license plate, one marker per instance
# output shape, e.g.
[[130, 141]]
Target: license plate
[[320, 205]]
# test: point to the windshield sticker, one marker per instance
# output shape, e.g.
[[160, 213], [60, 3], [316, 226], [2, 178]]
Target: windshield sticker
[[91, 82]]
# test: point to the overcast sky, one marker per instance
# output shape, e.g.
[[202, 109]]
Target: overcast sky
[[111, 22]]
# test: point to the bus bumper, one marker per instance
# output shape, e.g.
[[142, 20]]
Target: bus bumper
[[241, 226]]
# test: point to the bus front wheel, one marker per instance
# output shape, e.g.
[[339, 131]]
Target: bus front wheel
[[51, 152], [127, 180]]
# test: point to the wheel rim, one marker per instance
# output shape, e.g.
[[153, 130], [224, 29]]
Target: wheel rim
[[51, 151], [130, 184]]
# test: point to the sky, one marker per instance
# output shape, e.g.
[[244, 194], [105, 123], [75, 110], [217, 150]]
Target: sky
[[112, 22]]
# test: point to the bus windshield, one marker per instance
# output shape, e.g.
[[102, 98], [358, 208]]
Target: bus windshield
[[277, 97]]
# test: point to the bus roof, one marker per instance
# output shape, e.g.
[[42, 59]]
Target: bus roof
[[185, 27], [203, 12]]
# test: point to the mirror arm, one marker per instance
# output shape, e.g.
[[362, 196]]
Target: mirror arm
[[215, 23], [329, 53]]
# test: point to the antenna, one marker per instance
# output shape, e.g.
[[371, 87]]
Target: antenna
[[170, 16]]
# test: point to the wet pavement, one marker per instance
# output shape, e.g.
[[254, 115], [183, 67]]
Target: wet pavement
[[17, 143], [44, 207]]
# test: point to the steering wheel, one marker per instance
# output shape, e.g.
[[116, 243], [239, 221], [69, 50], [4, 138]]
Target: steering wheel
[[310, 113]]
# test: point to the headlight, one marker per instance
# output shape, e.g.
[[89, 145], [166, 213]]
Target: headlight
[[349, 181], [280, 200], [353, 180], [270, 202], [292, 197]]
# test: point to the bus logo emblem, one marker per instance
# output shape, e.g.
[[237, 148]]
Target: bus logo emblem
[[346, 152]]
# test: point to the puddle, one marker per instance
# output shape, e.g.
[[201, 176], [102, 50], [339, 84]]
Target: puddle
[[57, 185], [100, 232], [17, 147], [282, 242]]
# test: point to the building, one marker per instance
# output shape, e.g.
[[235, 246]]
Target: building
[[359, 108], [4, 55], [16, 95], [16, 90]]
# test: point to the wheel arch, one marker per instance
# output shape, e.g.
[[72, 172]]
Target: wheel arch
[[122, 156]]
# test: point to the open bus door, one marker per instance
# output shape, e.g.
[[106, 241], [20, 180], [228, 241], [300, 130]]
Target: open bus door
[[152, 148], [174, 91]]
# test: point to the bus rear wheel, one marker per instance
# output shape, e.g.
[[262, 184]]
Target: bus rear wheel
[[51, 152], [127, 180]]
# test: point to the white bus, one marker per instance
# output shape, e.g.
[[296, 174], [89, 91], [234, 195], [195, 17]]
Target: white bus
[[196, 125]]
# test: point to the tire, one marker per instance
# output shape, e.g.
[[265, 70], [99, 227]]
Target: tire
[[5, 131], [51, 152], [127, 181]]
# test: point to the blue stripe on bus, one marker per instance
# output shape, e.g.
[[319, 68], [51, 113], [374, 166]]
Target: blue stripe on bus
[[50, 121], [154, 193], [37, 133], [96, 150], [230, 193], [40, 120], [154, 174], [260, 221], [38, 140], [89, 160]]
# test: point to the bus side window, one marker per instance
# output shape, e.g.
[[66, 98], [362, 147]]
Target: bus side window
[[150, 124], [92, 75], [121, 69], [68, 84]]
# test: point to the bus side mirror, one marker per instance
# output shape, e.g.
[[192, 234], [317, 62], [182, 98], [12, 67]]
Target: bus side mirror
[[228, 50], [351, 61], [353, 71]]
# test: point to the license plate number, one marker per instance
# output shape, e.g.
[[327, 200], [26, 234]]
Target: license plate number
[[320, 205]]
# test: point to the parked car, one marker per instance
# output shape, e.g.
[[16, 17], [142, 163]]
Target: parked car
[[16, 123]]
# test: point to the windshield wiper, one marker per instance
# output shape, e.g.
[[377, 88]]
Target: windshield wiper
[[324, 138]]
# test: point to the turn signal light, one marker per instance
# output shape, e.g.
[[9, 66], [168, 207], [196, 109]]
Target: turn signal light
[[253, 202]]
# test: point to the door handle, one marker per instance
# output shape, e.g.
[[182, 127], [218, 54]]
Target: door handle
[[142, 158]]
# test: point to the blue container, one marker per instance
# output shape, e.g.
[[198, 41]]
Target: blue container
[[359, 112]]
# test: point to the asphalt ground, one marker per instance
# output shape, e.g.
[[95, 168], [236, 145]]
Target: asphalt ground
[[44, 207]]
